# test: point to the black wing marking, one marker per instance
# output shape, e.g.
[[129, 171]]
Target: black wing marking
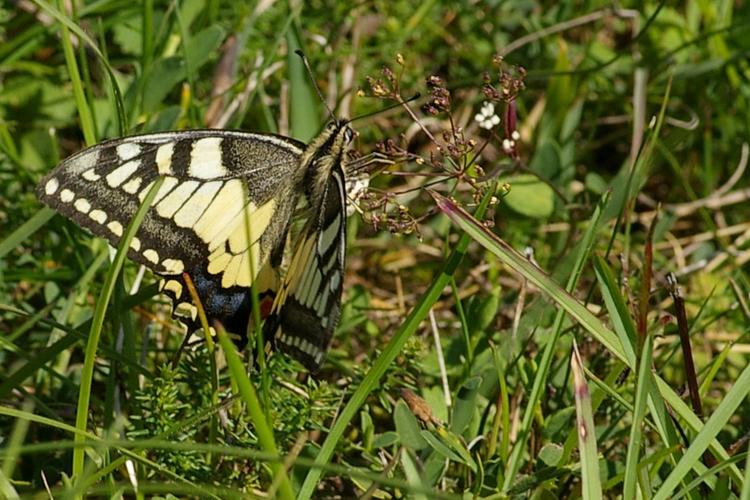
[[307, 307]]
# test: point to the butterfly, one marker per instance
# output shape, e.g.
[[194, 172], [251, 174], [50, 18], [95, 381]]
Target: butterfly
[[222, 216]]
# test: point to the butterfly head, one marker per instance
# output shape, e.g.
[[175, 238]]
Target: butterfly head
[[343, 125], [339, 129]]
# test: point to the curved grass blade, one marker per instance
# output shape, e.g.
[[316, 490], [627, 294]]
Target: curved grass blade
[[87, 373], [258, 416], [132, 448], [82, 35], [87, 440], [542, 374], [520, 264]]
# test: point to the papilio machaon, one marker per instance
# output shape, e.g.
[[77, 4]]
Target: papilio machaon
[[196, 223]]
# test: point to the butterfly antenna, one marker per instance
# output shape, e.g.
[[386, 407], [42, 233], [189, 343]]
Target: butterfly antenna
[[388, 108], [314, 83]]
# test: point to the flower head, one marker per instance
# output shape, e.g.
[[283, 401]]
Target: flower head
[[486, 116]]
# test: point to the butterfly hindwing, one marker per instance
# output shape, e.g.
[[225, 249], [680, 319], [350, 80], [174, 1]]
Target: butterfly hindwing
[[306, 309]]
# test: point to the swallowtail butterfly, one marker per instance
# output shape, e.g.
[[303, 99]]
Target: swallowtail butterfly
[[215, 180]]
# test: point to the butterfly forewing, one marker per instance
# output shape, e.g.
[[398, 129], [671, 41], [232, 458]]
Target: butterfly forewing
[[222, 217], [214, 180]]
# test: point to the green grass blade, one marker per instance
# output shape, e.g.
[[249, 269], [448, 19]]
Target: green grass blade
[[211, 348], [411, 471], [82, 35], [590, 322], [636, 427], [84, 112], [131, 448], [708, 433], [590, 482], [394, 347], [619, 315], [88, 440], [55, 424], [87, 373], [258, 416], [708, 475], [13, 442], [303, 119], [745, 495], [542, 373], [17, 237], [38, 362], [6, 488], [520, 264]]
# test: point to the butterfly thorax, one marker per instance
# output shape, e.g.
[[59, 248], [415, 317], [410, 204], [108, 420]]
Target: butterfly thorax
[[320, 156]]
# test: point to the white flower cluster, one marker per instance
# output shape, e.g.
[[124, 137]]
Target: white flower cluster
[[486, 118], [509, 145]]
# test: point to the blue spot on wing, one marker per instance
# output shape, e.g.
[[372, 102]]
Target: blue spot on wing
[[231, 306]]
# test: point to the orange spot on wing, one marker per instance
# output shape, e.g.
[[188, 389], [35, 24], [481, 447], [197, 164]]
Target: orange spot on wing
[[266, 303]]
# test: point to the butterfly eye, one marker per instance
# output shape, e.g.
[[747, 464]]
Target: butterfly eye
[[348, 135]]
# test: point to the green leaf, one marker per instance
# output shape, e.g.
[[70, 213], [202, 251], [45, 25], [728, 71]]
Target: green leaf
[[560, 90], [434, 468], [458, 447], [411, 471], [384, 440], [595, 183], [168, 72], [550, 454], [440, 447], [203, 46], [465, 405], [368, 429], [407, 427], [546, 159], [483, 311], [435, 399], [165, 74], [529, 196], [127, 34]]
